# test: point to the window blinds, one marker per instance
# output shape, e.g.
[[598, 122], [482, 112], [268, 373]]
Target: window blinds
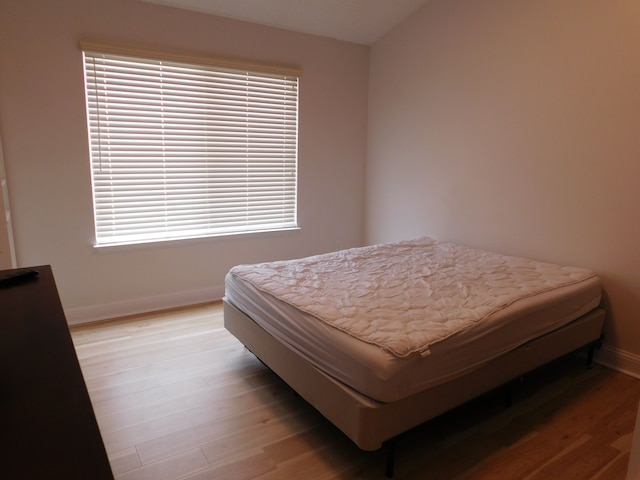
[[181, 150]]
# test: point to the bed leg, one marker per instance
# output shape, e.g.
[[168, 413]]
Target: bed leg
[[509, 389], [590, 353], [391, 458], [591, 350]]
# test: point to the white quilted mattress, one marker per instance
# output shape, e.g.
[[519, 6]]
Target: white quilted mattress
[[390, 320]]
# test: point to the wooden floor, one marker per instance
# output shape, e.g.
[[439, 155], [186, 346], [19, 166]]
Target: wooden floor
[[177, 397]]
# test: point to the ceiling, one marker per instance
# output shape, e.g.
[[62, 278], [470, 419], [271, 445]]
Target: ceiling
[[357, 21]]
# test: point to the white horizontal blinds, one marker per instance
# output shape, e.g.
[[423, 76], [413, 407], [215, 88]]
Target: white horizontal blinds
[[181, 150]]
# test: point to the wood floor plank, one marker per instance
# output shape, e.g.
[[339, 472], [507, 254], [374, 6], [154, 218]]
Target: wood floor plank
[[215, 401], [177, 397], [260, 437], [203, 434], [246, 468], [209, 416], [124, 461], [282, 450], [170, 468], [615, 469], [582, 460]]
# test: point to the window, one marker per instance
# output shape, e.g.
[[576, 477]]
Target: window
[[185, 149]]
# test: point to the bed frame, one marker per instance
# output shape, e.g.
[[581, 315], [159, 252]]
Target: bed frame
[[369, 423]]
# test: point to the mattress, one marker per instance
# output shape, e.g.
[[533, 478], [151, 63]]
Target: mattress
[[440, 310]]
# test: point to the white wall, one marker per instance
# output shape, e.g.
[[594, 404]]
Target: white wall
[[42, 122], [514, 126]]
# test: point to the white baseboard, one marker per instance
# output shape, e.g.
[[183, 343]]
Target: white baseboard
[[619, 360], [94, 313]]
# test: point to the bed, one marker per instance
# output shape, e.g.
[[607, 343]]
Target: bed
[[382, 338]]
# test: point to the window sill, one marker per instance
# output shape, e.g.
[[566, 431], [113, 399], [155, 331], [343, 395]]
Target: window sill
[[183, 241]]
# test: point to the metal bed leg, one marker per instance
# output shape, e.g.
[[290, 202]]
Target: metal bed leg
[[508, 401], [509, 390], [391, 458], [591, 350]]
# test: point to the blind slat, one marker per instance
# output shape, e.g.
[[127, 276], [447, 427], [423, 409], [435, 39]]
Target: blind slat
[[181, 150]]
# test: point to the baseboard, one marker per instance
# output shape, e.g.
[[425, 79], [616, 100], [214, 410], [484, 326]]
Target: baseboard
[[619, 360], [94, 313]]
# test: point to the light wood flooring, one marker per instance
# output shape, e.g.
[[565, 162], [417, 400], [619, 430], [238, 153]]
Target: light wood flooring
[[177, 397]]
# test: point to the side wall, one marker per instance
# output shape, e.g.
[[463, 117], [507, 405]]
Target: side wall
[[513, 126], [43, 128]]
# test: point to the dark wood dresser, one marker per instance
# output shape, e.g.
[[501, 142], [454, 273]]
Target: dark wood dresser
[[47, 426]]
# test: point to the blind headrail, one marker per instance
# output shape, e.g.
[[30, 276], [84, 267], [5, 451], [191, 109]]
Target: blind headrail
[[182, 57]]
